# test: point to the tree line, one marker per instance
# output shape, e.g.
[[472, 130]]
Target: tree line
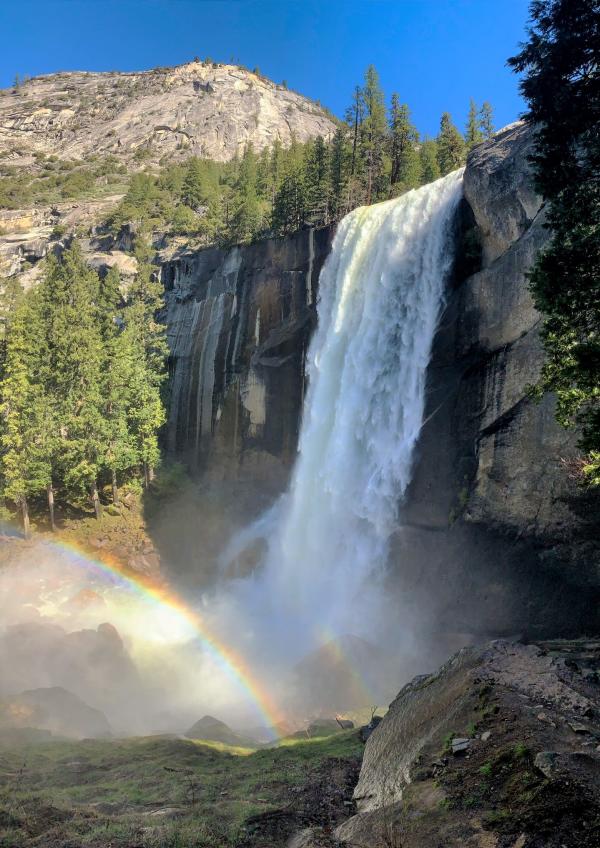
[[374, 154], [82, 368]]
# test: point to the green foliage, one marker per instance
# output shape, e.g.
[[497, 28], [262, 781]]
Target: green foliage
[[474, 134], [450, 146], [80, 395], [405, 161], [430, 169], [559, 63], [54, 180], [486, 120]]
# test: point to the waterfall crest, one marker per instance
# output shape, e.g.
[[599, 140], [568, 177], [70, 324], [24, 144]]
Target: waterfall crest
[[380, 291]]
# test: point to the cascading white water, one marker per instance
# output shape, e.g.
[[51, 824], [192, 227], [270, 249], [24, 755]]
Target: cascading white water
[[380, 295]]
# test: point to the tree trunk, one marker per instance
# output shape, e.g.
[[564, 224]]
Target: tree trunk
[[151, 473], [146, 475], [25, 514], [96, 500], [115, 488], [50, 492]]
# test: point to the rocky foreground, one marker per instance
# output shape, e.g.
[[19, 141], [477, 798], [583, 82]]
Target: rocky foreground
[[498, 749]]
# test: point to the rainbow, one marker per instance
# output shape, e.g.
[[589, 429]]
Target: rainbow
[[233, 664]]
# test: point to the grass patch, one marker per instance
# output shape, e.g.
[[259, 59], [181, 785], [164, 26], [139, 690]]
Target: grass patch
[[105, 792]]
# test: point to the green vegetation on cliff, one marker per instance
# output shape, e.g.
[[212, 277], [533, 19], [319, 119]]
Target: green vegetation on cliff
[[372, 156], [561, 83]]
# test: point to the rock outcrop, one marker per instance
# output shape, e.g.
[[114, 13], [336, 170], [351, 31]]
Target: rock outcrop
[[497, 748], [203, 109]]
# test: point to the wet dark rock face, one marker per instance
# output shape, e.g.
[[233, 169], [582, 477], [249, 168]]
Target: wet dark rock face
[[497, 537], [239, 321]]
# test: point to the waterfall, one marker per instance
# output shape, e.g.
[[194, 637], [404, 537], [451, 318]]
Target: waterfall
[[380, 291]]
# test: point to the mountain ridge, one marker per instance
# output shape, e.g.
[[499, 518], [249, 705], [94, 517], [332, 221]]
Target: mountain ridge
[[199, 108]]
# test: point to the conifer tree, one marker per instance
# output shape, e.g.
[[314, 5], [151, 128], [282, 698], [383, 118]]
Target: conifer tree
[[145, 338], [26, 459], [317, 181], [473, 133], [561, 84], [73, 372], [339, 173], [486, 120], [247, 218], [354, 119], [373, 134], [405, 168], [193, 190], [451, 146], [428, 158]]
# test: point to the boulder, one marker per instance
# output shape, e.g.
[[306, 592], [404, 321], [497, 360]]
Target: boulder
[[212, 729], [54, 709]]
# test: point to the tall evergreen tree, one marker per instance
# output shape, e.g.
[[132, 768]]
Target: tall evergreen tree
[[354, 119], [247, 218], [317, 181], [373, 135], [405, 168], [146, 337], [73, 371], [428, 159], [486, 120], [450, 146], [339, 174], [26, 461], [473, 133]]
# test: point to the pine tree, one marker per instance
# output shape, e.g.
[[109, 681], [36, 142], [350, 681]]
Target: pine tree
[[70, 295], [405, 167], [145, 347], [486, 120], [339, 173], [373, 134], [354, 119], [193, 190], [428, 157], [24, 411], [317, 181], [247, 218], [451, 146], [473, 134], [290, 202]]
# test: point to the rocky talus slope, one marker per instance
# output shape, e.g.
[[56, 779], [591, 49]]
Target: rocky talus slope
[[202, 109]]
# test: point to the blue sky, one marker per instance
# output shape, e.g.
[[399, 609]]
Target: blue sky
[[435, 53]]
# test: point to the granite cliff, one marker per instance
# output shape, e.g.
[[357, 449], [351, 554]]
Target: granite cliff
[[201, 108]]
